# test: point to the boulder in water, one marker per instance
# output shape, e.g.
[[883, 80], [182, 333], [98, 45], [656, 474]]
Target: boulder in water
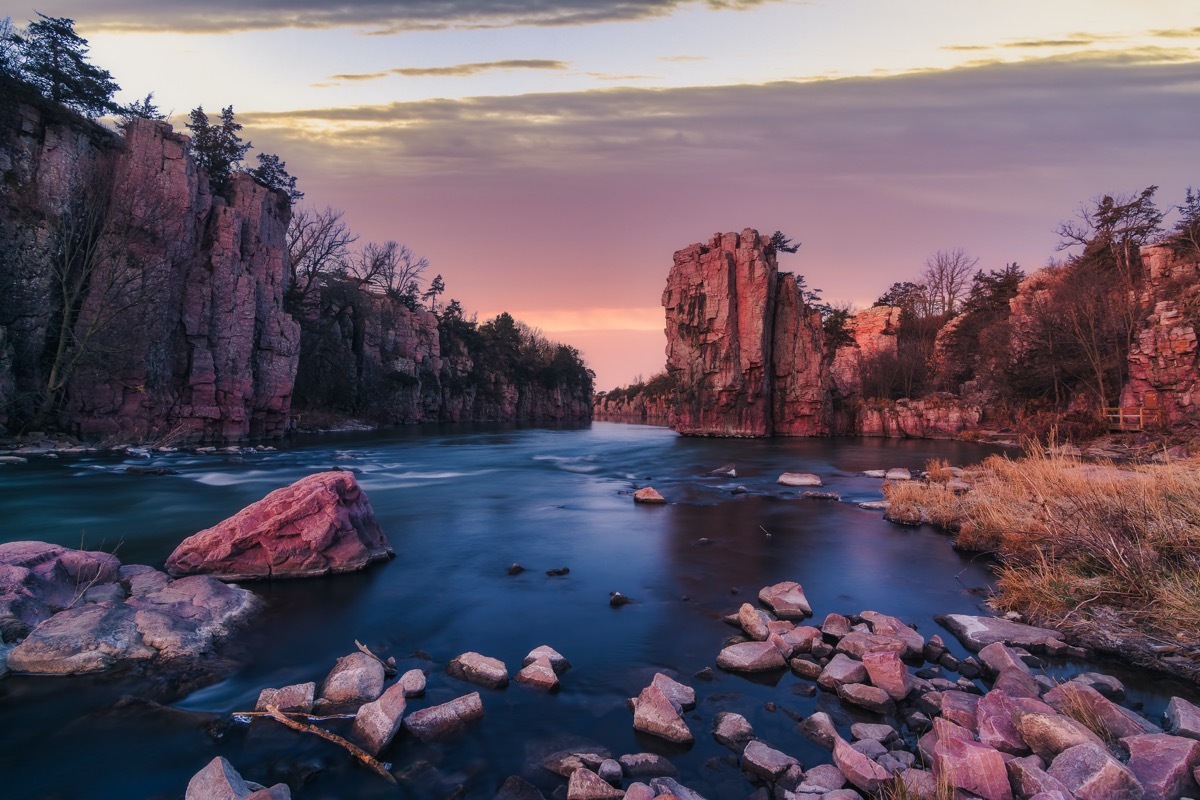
[[649, 496], [319, 525]]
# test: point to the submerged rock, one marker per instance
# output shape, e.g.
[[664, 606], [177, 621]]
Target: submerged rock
[[445, 720], [355, 679], [480, 669], [654, 713], [978, 632], [220, 781], [319, 525], [786, 599], [376, 722], [798, 479], [648, 495]]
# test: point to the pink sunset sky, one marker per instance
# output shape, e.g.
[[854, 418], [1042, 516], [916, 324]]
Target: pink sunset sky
[[548, 156]]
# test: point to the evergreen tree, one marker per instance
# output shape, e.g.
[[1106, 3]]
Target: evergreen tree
[[218, 149], [272, 173], [141, 109], [55, 62]]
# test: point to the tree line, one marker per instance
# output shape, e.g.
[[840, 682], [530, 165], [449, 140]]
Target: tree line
[[1077, 320]]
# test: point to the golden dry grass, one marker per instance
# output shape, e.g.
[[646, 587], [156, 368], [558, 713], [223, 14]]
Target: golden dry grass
[[1072, 536]]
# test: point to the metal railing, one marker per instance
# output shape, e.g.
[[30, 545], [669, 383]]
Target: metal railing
[[1132, 418]]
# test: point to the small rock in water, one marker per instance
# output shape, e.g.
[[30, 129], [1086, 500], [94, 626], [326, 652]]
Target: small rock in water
[[875, 473], [515, 569], [798, 479], [703, 541], [739, 490], [616, 600], [898, 474], [727, 471], [820, 496], [220, 779], [151, 471], [648, 495], [559, 571], [480, 669]]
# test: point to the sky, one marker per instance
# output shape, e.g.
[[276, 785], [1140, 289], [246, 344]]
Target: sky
[[549, 156]]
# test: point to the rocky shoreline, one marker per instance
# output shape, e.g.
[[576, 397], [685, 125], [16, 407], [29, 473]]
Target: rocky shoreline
[[990, 725]]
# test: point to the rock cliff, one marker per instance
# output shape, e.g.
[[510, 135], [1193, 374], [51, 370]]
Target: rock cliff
[[1164, 369], [137, 304], [369, 355], [742, 348]]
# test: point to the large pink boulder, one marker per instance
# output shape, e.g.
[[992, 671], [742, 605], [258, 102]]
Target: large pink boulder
[[319, 525]]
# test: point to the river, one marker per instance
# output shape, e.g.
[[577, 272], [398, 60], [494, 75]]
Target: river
[[459, 505]]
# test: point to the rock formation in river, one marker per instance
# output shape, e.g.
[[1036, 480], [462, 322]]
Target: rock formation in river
[[747, 357], [74, 611], [743, 349]]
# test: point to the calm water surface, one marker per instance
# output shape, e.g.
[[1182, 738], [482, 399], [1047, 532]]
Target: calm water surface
[[459, 506]]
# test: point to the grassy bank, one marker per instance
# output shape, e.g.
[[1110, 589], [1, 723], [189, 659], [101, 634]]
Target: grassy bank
[[1111, 554]]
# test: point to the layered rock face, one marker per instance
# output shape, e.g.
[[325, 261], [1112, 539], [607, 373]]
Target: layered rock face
[[743, 350], [875, 332], [371, 356], [936, 416], [178, 323], [1164, 371], [636, 409]]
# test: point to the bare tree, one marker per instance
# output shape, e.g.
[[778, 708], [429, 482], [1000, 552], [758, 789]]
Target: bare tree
[[109, 251], [391, 268], [947, 277], [318, 244]]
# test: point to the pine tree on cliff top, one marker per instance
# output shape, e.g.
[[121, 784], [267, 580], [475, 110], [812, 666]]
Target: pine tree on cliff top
[[218, 149], [54, 60]]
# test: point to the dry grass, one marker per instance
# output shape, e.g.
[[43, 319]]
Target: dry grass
[[1073, 536], [1083, 712], [897, 789]]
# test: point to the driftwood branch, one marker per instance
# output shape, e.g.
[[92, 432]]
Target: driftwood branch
[[389, 666], [293, 715], [362, 755]]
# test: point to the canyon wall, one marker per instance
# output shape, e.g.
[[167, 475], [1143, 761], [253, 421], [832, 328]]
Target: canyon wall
[[372, 357], [136, 304], [742, 349]]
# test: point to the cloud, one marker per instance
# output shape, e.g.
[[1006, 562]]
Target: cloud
[[966, 120], [574, 202], [1177, 33], [385, 16], [1078, 41], [455, 70]]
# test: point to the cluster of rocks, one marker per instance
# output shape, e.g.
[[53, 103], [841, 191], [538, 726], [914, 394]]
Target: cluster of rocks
[[808, 480], [66, 611], [987, 726], [938, 732], [357, 688]]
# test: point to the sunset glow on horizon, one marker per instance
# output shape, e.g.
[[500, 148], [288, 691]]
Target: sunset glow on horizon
[[549, 156]]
